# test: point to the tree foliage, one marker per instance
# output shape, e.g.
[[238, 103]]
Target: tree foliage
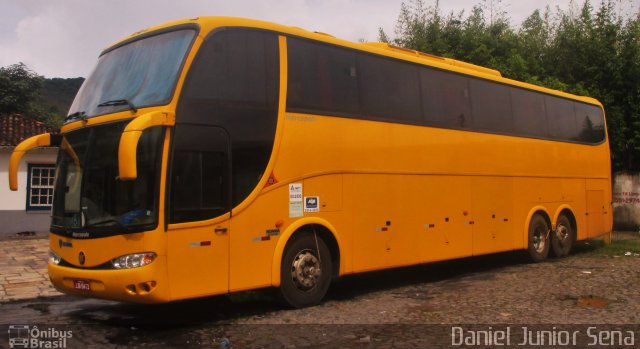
[[19, 88], [55, 98], [586, 50], [23, 91]]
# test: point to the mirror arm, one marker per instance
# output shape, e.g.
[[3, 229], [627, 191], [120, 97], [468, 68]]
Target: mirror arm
[[41, 140], [127, 149]]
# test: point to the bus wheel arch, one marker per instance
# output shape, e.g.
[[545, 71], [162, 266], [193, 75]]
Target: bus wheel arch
[[308, 263], [538, 234], [564, 234], [323, 230]]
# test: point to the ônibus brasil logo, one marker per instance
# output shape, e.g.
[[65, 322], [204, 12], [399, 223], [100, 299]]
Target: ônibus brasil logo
[[25, 336]]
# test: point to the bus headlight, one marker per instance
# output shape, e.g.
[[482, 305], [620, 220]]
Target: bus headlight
[[54, 258], [133, 260]]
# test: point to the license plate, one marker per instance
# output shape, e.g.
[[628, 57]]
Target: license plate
[[83, 285]]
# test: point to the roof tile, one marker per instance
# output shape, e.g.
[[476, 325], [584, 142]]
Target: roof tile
[[15, 128]]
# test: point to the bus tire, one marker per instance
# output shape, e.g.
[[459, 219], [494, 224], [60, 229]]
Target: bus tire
[[538, 246], [305, 271], [563, 237]]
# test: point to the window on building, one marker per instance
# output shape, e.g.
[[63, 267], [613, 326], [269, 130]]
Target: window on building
[[40, 187]]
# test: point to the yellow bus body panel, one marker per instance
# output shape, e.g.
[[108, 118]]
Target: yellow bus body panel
[[390, 194]]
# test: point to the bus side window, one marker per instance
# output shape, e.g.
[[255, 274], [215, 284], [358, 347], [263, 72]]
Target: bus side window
[[445, 99], [590, 122], [199, 174], [321, 78], [491, 107], [233, 83], [389, 89], [561, 118], [529, 116]]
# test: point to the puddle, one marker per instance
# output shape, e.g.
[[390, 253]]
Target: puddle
[[43, 308]]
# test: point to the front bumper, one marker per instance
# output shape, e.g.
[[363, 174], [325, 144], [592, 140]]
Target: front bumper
[[148, 284]]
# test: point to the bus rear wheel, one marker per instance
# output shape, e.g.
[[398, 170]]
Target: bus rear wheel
[[538, 246], [305, 272], [563, 237]]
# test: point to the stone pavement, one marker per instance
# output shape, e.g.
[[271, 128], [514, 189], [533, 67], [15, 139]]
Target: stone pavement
[[23, 269]]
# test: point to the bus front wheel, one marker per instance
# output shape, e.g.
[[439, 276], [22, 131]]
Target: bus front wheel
[[305, 272], [563, 237], [539, 232]]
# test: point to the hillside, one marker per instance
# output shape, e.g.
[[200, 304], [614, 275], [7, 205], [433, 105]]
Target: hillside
[[56, 96]]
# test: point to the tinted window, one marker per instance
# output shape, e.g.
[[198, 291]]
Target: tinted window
[[87, 189], [389, 89], [491, 106], [325, 79], [590, 121], [529, 115], [231, 69], [233, 83], [445, 99], [561, 118], [321, 78], [199, 175]]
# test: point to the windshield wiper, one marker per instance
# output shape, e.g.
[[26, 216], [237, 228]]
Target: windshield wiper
[[109, 220], [77, 115], [119, 102]]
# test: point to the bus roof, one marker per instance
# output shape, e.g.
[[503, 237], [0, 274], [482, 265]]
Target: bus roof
[[211, 22]]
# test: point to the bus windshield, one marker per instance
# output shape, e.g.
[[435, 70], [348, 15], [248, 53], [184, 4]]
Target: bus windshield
[[88, 194], [141, 73]]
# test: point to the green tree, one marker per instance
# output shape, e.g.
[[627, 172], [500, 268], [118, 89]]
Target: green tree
[[25, 92], [533, 41], [627, 124], [19, 87], [55, 98]]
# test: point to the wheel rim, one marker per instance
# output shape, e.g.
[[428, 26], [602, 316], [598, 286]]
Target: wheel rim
[[305, 270], [562, 234], [539, 239]]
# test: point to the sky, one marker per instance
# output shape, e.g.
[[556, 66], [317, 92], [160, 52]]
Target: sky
[[62, 38]]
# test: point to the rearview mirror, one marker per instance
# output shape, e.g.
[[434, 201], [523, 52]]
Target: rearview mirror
[[41, 140], [127, 149]]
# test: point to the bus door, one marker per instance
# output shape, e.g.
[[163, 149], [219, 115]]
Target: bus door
[[199, 211]]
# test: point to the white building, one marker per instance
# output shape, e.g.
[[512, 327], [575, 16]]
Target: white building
[[626, 201], [29, 208]]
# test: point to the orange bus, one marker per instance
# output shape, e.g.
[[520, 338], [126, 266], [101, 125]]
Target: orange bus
[[215, 155]]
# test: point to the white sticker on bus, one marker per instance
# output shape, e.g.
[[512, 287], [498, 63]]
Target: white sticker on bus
[[295, 200], [295, 209], [295, 192]]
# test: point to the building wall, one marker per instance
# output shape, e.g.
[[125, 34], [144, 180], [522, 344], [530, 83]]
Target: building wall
[[14, 218], [626, 201]]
